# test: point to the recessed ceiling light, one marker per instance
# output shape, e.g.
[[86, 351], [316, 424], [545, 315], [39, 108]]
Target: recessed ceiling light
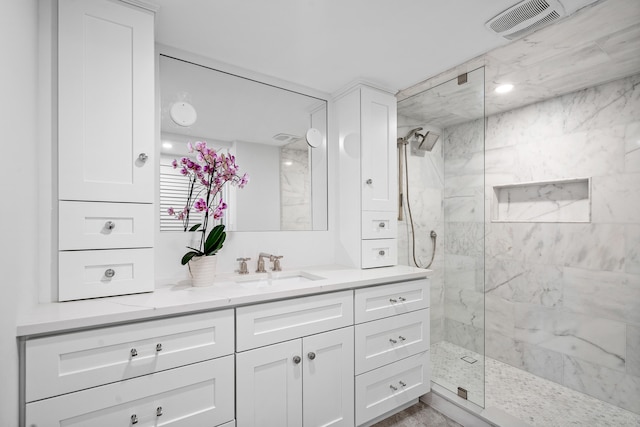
[[287, 163], [167, 145], [507, 87]]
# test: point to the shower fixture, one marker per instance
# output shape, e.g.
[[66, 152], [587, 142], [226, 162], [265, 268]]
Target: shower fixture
[[424, 143]]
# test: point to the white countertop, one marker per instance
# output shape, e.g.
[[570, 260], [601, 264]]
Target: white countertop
[[182, 298]]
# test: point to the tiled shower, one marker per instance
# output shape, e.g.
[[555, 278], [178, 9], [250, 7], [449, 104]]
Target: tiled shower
[[537, 264]]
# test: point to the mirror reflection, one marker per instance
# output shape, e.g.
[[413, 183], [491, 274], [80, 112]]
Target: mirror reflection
[[265, 127]]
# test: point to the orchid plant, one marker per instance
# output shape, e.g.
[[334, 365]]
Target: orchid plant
[[208, 174]]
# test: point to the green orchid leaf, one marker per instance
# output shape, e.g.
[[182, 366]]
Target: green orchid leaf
[[215, 239], [195, 227], [187, 257]]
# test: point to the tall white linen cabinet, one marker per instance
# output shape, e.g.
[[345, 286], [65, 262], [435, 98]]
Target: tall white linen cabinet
[[106, 182], [366, 122]]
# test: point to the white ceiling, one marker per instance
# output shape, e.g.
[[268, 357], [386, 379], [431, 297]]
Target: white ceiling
[[326, 44]]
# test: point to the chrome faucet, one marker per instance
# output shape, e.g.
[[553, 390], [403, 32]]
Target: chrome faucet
[[276, 263], [261, 258], [243, 265]]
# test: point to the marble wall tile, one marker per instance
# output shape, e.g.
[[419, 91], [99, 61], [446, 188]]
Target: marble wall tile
[[616, 199], [500, 242], [632, 248], [463, 139], [521, 282], [605, 294], [633, 350], [499, 315], [593, 339], [465, 208], [464, 238], [632, 147], [603, 383], [464, 335], [464, 306]]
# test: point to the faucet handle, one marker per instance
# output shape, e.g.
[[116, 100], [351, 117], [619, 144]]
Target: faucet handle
[[243, 265], [276, 263]]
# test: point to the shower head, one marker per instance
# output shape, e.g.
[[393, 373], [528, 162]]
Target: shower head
[[405, 140], [426, 141]]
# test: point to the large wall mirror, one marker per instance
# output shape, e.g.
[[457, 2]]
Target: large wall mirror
[[279, 137]]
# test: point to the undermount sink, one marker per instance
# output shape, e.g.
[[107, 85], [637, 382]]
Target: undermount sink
[[274, 278]]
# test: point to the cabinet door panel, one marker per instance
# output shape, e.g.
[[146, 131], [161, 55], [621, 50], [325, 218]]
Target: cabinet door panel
[[106, 101], [269, 386], [328, 379], [388, 340], [195, 395], [379, 157]]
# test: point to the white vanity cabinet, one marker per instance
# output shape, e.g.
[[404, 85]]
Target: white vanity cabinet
[[106, 173], [392, 362], [301, 373], [162, 372], [366, 123]]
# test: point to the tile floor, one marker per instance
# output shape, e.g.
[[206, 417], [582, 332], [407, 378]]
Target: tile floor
[[418, 415], [532, 399]]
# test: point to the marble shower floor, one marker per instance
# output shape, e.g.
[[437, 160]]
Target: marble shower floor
[[532, 399]]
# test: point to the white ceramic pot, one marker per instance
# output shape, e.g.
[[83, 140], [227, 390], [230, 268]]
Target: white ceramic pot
[[202, 270]]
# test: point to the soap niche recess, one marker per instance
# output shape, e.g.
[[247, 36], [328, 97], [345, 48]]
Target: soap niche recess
[[545, 201]]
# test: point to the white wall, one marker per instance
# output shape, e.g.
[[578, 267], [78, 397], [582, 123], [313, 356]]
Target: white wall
[[19, 178]]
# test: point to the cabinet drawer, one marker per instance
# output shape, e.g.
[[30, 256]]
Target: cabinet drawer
[[388, 340], [92, 225], [383, 301], [269, 323], [379, 253], [75, 361], [91, 274], [383, 389], [379, 225], [201, 394]]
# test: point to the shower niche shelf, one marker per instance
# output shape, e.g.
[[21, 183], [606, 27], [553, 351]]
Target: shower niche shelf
[[544, 201]]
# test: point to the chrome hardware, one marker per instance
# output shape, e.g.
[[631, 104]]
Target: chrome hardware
[[134, 419], [159, 347], [369, 181], [381, 253], [311, 355], [261, 258], [402, 384], [109, 225], [381, 225], [392, 300], [392, 387], [401, 338], [297, 359], [276, 263], [159, 411], [134, 352], [243, 265], [109, 273], [143, 157], [402, 299], [392, 341]]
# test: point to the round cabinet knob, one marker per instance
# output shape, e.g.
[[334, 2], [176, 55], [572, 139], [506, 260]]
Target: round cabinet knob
[[110, 273], [297, 359], [159, 411], [311, 355], [134, 419], [369, 181], [158, 347], [134, 352], [143, 157], [109, 225], [381, 225], [381, 253]]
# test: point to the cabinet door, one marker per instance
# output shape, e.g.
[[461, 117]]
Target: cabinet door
[[105, 101], [328, 379], [269, 386], [378, 151]]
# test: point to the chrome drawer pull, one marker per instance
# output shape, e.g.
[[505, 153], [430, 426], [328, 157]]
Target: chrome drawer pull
[[381, 253], [109, 273], [401, 338], [381, 225], [297, 359], [392, 387], [159, 411], [143, 157], [134, 352], [311, 355], [158, 347], [402, 299], [393, 300], [134, 419], [109, 225], [392, 341], [369, 181], [402, 384]]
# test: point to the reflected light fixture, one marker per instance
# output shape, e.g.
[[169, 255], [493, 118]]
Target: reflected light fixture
[[183, 114], [504, 88], [167, 145]]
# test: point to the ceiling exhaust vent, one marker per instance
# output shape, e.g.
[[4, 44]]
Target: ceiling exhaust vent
[[525, 17]]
